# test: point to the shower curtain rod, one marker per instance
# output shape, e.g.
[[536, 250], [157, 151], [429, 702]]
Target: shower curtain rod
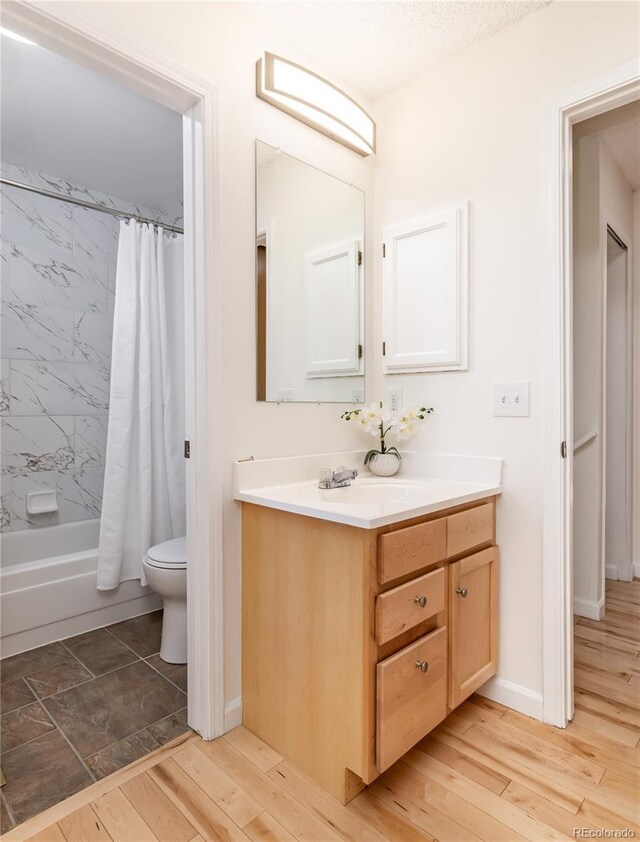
[[81, 203]]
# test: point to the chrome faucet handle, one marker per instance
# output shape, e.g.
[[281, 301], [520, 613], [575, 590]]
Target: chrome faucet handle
[[337, 477]]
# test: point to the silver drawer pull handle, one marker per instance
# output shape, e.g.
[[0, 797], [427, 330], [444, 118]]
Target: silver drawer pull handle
[[462, 591], [422, 665], [420, 600]]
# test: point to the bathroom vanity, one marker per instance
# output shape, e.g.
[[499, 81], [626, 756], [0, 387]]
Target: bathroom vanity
[[366, 618]]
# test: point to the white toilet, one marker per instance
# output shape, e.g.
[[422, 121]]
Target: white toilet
[[165, 567]]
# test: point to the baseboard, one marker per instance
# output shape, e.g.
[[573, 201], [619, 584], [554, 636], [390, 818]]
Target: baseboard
[[621, 574], [636, 571], [232, 714], [513, 696], [588, 608]]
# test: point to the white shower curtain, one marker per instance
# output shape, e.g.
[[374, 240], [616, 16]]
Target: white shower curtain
[[144, 498]]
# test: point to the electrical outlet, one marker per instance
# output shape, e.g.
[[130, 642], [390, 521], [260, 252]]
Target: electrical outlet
[[357, 396], [394, 399], [511, 399], [285, 395]]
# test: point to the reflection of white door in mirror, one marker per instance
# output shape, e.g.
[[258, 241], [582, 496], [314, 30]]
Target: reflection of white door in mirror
[[425, 293], [309, 282], [332, 310]]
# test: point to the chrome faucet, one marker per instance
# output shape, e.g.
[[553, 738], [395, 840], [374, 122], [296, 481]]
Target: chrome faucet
[[337, 477]]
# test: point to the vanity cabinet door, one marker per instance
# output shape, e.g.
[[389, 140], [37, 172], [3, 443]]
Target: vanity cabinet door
[[411, 696], [473, 623]]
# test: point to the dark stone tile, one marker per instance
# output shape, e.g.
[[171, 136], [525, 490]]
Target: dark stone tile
[[142, 634], [36, 659], [170, 728], [101, 712], [22, 725], [5, 819], [120, 754], [177, 673], [99, 651], [40, 774], [55, 679], [14, 694]]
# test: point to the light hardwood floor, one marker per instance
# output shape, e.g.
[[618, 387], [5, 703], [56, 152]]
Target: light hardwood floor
[[487, 773]]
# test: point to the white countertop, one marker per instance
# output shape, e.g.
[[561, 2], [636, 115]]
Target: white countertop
[[426, 483]]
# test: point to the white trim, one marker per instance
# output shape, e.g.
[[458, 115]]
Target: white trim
[[593, 97], [588, 608], [619, 573], [513, 696], [64, 31], [232, 714], [636, 571]]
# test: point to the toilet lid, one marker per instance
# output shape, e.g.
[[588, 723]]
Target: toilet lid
[[168, 554]]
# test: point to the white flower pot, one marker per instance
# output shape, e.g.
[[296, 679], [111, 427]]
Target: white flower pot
[[384, 464]]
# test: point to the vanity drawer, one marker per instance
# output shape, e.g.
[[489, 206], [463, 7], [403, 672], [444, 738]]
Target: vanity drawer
[[410, 549], [470, 529], [408, 605], [410, 701]]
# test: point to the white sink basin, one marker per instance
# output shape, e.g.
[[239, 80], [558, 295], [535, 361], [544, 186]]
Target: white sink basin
[[368, 491], [427, 483]]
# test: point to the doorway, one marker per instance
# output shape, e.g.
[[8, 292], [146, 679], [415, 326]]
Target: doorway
[[195, 102], [597, 97]]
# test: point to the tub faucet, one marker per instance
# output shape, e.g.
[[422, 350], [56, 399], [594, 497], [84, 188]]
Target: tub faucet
[[337, 477]]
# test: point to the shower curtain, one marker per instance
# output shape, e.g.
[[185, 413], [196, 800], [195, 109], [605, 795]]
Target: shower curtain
[[144, 498]]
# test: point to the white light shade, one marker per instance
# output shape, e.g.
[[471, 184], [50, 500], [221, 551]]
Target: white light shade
[[316, 102], [14, 35]]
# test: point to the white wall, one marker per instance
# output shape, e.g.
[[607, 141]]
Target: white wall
[[601, 197], [472, 128], [617, 211], [588, 267]]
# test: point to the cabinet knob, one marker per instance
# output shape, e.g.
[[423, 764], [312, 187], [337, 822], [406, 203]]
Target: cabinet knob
[[420, 600], [423, 666], [462, 591]]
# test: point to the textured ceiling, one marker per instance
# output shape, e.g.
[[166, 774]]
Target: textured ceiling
[[375, 45], [620, 132]]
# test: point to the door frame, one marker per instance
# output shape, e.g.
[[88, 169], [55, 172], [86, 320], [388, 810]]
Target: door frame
[[595, 96], [104, 51]]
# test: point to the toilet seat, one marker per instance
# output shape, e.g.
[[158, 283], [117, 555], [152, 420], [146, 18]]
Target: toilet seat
[[169, 555]]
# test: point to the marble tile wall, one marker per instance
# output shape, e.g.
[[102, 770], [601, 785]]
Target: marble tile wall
[[57, 266]]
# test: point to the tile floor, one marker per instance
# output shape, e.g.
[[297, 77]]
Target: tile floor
[[77, 710]]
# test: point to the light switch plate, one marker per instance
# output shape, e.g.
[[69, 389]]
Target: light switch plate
[[511, 399]]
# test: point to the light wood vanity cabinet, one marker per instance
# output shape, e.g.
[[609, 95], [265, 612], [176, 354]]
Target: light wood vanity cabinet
[[357, 642]]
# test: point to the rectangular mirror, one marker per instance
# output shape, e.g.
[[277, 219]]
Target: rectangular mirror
[[310, 282]]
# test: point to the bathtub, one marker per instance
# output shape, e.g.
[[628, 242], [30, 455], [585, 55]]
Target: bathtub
[[48, 587]]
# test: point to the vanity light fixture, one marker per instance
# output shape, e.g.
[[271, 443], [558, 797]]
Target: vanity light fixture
[[14, 35], [316, 102]]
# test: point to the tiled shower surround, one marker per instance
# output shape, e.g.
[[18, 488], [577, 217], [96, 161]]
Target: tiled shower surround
[[58, 282]]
